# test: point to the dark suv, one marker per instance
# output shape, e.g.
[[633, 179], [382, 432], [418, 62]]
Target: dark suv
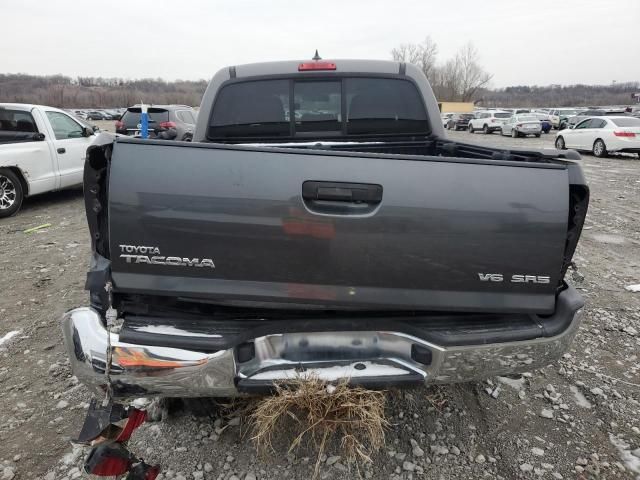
[[460, 121], [166, 122]]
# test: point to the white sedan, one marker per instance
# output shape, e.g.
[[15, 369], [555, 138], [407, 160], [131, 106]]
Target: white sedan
[[521, 125], [602, 135]]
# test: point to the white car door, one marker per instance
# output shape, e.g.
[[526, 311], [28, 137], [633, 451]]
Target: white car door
[[70, 147], [578, 136], [593, 132]]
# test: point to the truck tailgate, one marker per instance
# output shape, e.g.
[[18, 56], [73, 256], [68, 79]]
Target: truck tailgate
[[337, 230]]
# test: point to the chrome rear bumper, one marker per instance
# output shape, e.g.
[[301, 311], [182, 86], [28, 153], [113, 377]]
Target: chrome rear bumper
[[382, 358]]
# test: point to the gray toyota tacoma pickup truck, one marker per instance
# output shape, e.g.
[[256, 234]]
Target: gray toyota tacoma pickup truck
[[321, 222]]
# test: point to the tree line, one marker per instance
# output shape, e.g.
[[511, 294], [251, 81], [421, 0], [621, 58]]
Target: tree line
[[461, 78], [561, 95], [97, 92]]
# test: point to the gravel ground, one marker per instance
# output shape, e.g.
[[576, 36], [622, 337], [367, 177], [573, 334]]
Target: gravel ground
[[575, 419]]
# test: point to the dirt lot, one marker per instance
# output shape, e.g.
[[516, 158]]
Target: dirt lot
[[575, 419]]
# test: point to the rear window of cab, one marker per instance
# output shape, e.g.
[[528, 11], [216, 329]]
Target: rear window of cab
[[317, 107]]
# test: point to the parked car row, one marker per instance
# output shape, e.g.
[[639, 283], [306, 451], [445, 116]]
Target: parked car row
[[166, 122], [98, 113], [524, 121], [514, 122], [562, 118]]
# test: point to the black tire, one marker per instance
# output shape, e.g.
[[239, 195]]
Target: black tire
[[599, 149], [560, 143], [514, 133], [11, 193], [187, 138], [485, 129], [537, 135], [470, 129]]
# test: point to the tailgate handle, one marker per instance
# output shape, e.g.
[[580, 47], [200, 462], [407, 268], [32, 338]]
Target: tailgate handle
[[342, 192]]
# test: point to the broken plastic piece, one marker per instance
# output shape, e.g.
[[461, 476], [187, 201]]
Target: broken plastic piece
[[135, 419], [143, 471], [98, 419], [107, 422], [108, 459]]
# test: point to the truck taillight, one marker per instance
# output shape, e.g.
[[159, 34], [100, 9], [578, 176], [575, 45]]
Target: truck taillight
[[624, 134], [119, 125], [167, 125], [304, 67]]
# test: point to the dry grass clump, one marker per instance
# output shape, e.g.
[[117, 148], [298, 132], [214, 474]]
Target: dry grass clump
[[317, 412]]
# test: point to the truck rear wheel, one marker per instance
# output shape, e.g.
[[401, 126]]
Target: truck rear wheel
[[11, 194]]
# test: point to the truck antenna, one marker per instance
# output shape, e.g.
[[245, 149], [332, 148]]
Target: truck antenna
[[316, 57]]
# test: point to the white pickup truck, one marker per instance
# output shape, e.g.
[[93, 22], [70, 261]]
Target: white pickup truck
[[41, 149]]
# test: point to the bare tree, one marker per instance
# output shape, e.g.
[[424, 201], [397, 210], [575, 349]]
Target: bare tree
[[462, 77], [85, 92], [447, 86], [472, 76], [423, 55], [457, 79]]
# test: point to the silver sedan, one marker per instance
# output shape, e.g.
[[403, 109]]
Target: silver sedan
[[521, 125]]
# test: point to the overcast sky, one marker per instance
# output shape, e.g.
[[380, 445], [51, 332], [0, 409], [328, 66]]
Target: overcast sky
[[533, 42]]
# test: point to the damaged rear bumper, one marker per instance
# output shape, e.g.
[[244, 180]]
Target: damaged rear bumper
[[372, 358]]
